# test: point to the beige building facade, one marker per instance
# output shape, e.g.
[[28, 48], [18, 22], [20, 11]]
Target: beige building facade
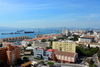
[[64, 57], [67, 46]]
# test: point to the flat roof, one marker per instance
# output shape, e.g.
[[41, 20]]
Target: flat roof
[[27, 63]]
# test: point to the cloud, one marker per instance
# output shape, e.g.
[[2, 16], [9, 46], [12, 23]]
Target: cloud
[[93, 15], [24, 6], [90, 16]]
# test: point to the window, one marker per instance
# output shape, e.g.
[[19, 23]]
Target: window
[[60, 48]]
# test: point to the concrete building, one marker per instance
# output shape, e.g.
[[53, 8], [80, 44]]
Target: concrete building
[[65, 32], [9, 54], [39, 52], [3, 54], [87, 39], [41, 44], [67, 46], [12, 39], [6, 43], [43, 54], [26, 42], [64, 57], [0, 42], [93, 44], [49, 52]]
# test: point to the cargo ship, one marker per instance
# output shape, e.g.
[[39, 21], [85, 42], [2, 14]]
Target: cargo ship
[[18, 32], [28, 31], [5, 33]]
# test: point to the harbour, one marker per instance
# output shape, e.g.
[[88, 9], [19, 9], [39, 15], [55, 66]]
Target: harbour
[[31, 35]]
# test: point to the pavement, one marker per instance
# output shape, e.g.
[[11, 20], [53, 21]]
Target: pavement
[[70, 65], [96, 61]]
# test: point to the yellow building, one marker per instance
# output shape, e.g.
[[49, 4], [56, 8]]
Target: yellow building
[[67, 46]]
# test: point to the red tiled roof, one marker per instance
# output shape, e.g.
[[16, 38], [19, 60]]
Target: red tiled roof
[[27, 40], [87, 37], [51, 50], [20, 45], [39, 48], [65, 53], [7, 42], [0, 41], [37, 38]]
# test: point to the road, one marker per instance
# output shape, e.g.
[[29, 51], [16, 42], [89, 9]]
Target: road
[[58, 64], [70, 65]]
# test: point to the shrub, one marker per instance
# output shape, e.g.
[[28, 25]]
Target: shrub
[[38, 58], [50, 63]]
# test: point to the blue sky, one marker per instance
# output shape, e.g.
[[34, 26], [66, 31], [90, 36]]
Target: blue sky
[[50, 13]]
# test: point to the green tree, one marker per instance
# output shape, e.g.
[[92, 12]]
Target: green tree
[[89, 46], [55, 58], [43, 40], [29, 45], [50, 43], [1, 64], [91, 63], [98, 54], [48, 47], [55, 39], [86, 51], [0, 45], [75, 37], [13, 64], [19, 61], [25, 59]]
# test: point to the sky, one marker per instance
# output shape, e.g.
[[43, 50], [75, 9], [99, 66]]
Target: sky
[[50, 13]]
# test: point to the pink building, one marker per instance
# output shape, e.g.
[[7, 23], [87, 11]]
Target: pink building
[[64, 57]]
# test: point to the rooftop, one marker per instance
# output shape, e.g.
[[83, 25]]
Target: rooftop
[[87, 36], [65, 53], [65, 41], [7, 42], [40, 48], [37, 38], [27, 63], [51, 50]]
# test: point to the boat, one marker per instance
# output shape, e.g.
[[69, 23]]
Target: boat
[[18, 32], [28, 31], [4, 33]]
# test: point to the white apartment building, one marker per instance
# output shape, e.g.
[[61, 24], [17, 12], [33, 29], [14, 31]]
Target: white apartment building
[[87, 39], [26, 42]]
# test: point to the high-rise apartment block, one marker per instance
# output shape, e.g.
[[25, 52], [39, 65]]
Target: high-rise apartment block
[[9, 54], [65, 32], [67, 46]]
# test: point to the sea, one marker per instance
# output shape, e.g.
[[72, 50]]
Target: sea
[[31, 35]]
